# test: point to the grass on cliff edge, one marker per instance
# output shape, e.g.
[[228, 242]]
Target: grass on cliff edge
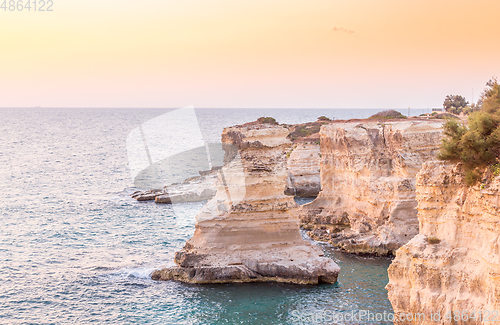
[[267, 120], [390, 114], [476, 144], [299, 130], [306, 129]]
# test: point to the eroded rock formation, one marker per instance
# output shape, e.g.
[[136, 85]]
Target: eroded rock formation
[[247, 233], [367, 201], [453, 265]]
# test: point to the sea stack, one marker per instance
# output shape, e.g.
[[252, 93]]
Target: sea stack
[[249, 232]]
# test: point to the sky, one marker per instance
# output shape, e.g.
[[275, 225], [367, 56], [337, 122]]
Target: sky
[[247, 54]]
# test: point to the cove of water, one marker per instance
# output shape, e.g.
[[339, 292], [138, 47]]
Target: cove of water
[[76, 249]]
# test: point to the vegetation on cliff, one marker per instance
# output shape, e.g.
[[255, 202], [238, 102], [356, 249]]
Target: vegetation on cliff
[[268, 120], [389, 114], [454, 104], [444, 116], [300, 131], [304, 130], [475, 144]]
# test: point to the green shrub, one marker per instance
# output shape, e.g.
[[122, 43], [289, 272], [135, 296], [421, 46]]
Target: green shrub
[[495, 169], [323, 118], [455, 104], [444, 116], [305, 130], [268, 120], [390, 114], [476, 145], [470, 109], [433, 240]]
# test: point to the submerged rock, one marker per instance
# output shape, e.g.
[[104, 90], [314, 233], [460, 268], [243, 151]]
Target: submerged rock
[[249, 232]]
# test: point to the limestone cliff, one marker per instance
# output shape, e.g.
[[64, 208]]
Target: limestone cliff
[[367, 201], [247, 233], [303, 166], [303, 159], [453, 265]]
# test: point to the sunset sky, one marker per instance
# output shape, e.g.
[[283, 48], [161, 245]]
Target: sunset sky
[[245, 54]]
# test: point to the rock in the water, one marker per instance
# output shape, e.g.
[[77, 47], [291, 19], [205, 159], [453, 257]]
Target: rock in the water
[[248, 232], [367, 201], [194, 189], [453, 265], [147, 195], [163, 198]]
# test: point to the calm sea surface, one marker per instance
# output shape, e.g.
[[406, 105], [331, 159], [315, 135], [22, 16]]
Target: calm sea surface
[[76, 249]]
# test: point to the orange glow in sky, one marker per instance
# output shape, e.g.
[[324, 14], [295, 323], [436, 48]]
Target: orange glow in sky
[[221, 53]]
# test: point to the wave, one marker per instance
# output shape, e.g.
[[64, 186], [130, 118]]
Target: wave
[[130, 272]]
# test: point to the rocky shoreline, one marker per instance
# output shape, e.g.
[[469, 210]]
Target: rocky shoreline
[[381, 192], [362, 173], [366, 202]]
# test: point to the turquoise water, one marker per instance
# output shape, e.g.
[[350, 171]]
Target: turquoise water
[[76, 249]]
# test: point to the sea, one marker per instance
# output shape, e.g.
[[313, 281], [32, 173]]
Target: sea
[[75, 248]]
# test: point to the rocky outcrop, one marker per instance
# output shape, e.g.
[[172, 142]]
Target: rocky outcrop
[[303, 179], [247, 232], [367, 201], [302, 164], [453, 265], [194, 189]]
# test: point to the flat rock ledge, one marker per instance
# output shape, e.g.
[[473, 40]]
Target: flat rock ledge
[[322, 270]]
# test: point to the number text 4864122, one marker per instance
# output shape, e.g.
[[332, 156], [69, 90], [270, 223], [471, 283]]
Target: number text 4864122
[[27, 5]]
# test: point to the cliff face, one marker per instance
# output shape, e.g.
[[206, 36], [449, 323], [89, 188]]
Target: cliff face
[[454, 263], [303, 166], [246, 233], [367, 201]]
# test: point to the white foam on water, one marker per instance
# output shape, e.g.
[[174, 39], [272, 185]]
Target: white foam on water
[[134, 272]]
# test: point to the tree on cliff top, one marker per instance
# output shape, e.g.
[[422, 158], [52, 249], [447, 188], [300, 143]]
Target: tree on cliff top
[[455, 104], [476, 145]]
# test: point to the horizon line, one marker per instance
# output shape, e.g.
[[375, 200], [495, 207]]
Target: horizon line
[[124, 107]]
